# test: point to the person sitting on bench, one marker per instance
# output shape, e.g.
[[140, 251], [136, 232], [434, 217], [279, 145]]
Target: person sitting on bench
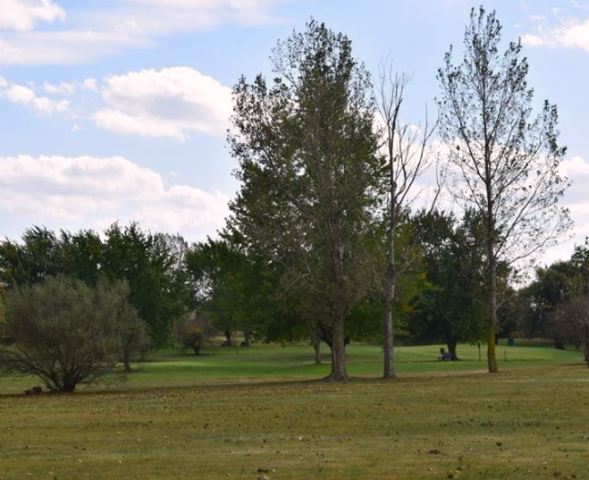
[[444, 356]]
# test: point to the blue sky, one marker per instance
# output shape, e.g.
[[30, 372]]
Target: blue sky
[[116, 110]]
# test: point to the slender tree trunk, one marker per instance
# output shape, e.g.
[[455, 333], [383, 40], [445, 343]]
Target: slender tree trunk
[[338, 364], [388, 346], [127, 362], [492, 323], [246, 338], [586, 344], [317, 348], [228, 341]]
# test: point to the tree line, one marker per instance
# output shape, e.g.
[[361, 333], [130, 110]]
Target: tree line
[[327, 239]]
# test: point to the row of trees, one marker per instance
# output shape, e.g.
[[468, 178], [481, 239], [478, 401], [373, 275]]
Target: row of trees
[[151, 265], [324, 189], [324, 240]]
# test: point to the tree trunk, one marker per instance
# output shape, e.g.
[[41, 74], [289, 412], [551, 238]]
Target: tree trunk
[[127, 360], [317, 348], [558, 343], [338, 352], [452, 343], [228, 336], [586, 344], [246, 339], [492, 323], [388, 345], [339, 300]]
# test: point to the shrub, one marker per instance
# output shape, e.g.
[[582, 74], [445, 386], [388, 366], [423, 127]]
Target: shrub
[[65, 332], [191, 336]]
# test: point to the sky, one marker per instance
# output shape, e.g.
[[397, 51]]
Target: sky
[[117, 110]]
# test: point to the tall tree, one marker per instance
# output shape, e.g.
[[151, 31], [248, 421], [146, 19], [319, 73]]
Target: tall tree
[[505, 158], [309, 171], [407, 158]]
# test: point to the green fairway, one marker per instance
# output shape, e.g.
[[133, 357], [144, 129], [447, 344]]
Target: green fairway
[[263, 362], [262, 413]]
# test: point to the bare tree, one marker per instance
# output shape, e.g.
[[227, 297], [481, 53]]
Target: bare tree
[[407, 154], [505, 159]]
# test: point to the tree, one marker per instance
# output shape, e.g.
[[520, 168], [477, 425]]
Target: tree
[[451, 308], [505, 160], [151, 263], [65, 332], [571, 322], [153, 266], [407, 158], [309, 173]]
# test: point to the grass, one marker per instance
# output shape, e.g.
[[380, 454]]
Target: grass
[[201, 417]]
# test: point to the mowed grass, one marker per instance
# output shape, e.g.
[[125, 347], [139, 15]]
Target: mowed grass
[[261, 413]]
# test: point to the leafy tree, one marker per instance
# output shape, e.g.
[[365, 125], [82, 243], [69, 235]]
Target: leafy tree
[[32, 260], [65, 332], [237, 291], [152, 265], [505, 160], [555, 285], [309, 172], [42, 253], [451, 308]]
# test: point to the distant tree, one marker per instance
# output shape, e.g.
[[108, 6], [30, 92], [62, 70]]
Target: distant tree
[[505, 160], [570, 320], [32, 260], [451, 309], [555, 285], [152, 265], [65, 332], [309, 173]]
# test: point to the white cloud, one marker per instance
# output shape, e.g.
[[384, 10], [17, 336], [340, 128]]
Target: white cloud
[[171, 102], [574, 166], [65, 47], [64, 88], [90, 84], [93, 192], [569, 34], [23, 15], [22, 95], [99, 32]]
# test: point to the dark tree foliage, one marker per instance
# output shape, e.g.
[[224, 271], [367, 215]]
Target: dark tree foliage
[[555, 285], [451, 309], [570, 322], [151, 264], [67, 333], [308, 169], [504, 158], [239, 291]]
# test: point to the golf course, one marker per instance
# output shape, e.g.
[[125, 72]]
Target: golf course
[[265, 413]]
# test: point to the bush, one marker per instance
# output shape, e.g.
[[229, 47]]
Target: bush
[[67, 333], [191, 336]]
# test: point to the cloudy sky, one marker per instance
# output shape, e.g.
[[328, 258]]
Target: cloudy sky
[[117, 109]]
